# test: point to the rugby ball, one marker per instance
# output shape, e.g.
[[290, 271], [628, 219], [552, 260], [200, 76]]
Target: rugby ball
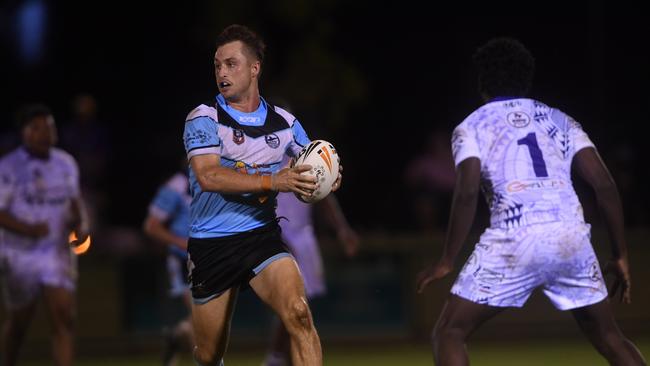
[[324, 160]]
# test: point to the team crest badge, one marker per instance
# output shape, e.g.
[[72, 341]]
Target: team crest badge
[[272, 140], [238, 136]]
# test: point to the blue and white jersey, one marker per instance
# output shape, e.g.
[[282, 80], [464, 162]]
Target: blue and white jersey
[[252, 143], [526, 149], [172, 205], [37, 190]]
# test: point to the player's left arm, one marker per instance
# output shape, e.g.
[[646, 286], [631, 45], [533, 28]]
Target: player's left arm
[[80, 219], [336, 219], [593, 170]]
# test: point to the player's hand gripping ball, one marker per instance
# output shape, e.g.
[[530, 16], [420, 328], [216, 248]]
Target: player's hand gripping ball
[[322, 156]]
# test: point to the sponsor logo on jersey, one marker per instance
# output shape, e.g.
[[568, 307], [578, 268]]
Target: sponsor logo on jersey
[[249, 119], [39, 200], [519, 186], [518, 119], [272, 140], [238, 136]]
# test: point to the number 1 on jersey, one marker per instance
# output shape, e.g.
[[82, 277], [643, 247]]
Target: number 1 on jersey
[[539, 166]]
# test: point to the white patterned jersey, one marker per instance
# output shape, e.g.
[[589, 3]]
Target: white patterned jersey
[[525, 149], [38, 190]]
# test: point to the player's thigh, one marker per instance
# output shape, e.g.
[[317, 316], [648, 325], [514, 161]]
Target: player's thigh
[[279, 284], [463, 316], [20, 279], [211, 320], [61, 304]]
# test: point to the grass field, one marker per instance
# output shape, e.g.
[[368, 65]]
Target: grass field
[[533, 353]]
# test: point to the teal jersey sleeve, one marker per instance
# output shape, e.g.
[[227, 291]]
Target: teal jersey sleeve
[[300, 139], [165, 203], [201, 136]]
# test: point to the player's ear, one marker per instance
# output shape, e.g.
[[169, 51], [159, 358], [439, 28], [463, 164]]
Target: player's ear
[[256, 67]]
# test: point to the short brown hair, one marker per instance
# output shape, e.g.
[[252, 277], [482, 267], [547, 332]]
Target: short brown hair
[[237, 32]]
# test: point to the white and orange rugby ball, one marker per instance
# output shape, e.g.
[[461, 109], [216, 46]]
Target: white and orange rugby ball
[[324, 160]]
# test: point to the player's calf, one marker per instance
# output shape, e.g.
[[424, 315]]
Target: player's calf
[[305, 344]]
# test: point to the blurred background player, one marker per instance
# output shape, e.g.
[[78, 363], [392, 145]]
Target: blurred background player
[[430, 177], [40, 203], [296, 221], [168, 222], [520, 152]]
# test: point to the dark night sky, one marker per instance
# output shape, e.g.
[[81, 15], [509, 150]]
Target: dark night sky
[[373, 79]]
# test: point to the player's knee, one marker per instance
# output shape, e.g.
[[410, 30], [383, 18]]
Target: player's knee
[[445, 330], [64, 320], [207, 357], [297, 315]]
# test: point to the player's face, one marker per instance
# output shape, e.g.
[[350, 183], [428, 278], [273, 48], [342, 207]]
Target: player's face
[[39, 135], [236, 71]]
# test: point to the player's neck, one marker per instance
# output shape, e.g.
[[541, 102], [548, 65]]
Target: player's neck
[[247, 103], [41, 155]]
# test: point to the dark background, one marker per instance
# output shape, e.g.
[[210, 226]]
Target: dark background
[[373, 78], [376, 79]]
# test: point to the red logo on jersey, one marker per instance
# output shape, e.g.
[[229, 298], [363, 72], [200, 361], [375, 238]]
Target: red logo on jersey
[[238, 136]]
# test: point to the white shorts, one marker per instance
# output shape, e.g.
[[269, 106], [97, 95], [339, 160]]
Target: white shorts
[[23, 274], [304, 247], [508, 264]]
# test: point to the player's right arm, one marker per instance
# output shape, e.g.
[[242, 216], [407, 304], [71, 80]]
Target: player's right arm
[[467, 155], [592, 169], [9, 221], [163, 207], [463, 209], [213, 177], [203, 147], [157, 229]]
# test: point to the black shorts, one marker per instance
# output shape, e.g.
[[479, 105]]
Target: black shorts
[[217, 264]]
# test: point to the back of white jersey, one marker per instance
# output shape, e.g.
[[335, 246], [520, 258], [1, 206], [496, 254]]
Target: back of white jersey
[[526, 149]]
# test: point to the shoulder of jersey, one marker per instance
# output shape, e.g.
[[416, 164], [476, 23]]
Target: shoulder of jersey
[[8, 156], [290, 118], [560, 119], [202, 111], [64, 156], [6, 159], [177, 183], [471, 117]]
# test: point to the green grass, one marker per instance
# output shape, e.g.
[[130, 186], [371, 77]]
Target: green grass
[[530, 353]]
